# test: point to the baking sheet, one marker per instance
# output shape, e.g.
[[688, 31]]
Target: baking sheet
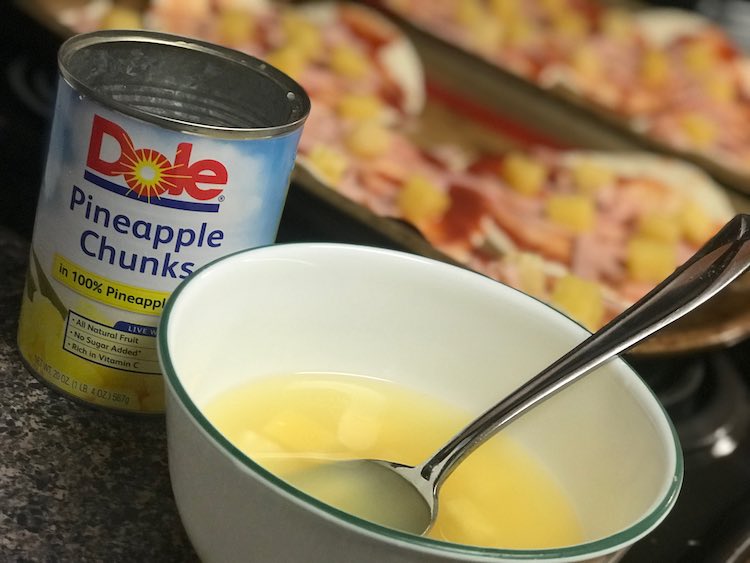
[[551, 110], [460, 85]]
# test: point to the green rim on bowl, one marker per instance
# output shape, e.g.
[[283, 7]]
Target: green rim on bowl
[[587, 549]]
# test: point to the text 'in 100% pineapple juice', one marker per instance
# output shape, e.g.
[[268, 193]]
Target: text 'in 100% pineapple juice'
[[165, 153]]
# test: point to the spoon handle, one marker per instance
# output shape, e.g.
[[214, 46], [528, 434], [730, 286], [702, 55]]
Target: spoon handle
[[722, 259]]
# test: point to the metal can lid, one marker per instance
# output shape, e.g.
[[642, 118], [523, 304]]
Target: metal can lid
[[184, 84]]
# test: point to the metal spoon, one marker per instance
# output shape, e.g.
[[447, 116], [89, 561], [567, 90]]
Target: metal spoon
[[407, 496]]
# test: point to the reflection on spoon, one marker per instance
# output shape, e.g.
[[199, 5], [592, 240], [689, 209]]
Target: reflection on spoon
[[406, 496]]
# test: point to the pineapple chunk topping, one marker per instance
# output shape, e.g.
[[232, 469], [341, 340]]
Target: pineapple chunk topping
[[617, 24], [660, 226], [348, 62], [654, 68], [329, 163], [699, 57], [650, 260], [523, 174], [581, 299], [699, 129], [369, 139], [235, 27], [573, 211], [421, 201], [587, 62], [588, 176], [302, 34], [696, 226], [288, 59], [360, 107], [121, 17], [469, 12]]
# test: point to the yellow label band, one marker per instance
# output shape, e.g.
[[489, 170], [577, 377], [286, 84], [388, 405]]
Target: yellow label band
[[109, 292]]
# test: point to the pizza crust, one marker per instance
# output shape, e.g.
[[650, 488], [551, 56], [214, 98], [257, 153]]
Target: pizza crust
[[682, 176]]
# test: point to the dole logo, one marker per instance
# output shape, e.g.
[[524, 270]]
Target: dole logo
[[148, 173]]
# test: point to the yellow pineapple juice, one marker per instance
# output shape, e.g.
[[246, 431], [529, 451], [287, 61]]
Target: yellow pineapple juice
[[161, 159], [500, 496]]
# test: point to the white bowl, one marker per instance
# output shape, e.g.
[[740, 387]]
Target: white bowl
[[461, 336]]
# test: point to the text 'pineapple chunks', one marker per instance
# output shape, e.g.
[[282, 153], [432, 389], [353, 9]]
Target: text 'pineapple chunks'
[[650, 260], [581, 299], [524, 174], [576, 212], [420, 200]]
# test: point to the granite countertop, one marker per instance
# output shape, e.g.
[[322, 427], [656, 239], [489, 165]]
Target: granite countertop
[[76, 483]]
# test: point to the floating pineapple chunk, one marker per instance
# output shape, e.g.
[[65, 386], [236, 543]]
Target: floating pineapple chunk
[[369, 139], [297, 431], [235, 27], [581, 299], [257, 445], [589, 176], [695, 224], [360, 107], [574, 211], [329, 163], [421, 201], [650, 260], [523, 174], [698, 128], [654, 68], [348, 62], [358, 428], [659, 226]]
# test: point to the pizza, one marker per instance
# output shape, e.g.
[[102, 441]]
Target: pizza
[[669, 75], [588, 232]]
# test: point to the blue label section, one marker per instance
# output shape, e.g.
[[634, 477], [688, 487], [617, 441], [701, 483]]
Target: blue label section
[[133, 328], [160, 201]]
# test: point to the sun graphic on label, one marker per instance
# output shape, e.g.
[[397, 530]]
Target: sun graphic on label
[[149, 173]]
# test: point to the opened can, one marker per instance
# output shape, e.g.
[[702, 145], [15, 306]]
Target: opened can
[[165, 153]]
